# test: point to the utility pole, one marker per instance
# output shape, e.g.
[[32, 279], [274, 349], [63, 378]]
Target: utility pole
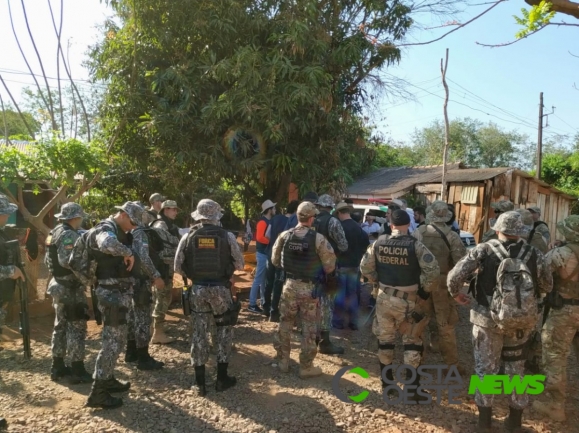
[[540, 138]]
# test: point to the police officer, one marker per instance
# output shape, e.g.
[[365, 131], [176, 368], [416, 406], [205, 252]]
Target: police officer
[[139, 316], [208, 256], [152, 213], [499, 207], [539, 226], [69, 300], [534, 238], [171, 237], [304, 255], [489, 341], [448, 249], [562, 323], [332, 229], [406, 272], [111, 243]]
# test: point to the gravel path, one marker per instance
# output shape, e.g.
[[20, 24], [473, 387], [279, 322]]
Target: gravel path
[[263, 401]]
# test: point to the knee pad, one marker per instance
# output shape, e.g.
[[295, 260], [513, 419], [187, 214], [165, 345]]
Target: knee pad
[[414, 347], [386, 346]]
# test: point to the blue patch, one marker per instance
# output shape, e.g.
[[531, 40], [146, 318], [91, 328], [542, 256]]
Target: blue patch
[[112, 234], [427, 258]]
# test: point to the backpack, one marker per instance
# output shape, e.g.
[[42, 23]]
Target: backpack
[[514, 303]]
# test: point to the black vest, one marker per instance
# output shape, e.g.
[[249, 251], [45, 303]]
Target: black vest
[[52, 242], [208, 255], [300, 258], [173, 229], [486, 279], [322, 226], [155, 248], [396, 261], [109, 266], [7, 285]]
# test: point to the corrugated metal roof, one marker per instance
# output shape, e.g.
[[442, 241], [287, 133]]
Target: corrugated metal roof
[[20, 145], [473, 174], [390, 180]]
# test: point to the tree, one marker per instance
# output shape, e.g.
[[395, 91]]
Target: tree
[[473, 143], [12, 124], [253, 93], [560, 165]]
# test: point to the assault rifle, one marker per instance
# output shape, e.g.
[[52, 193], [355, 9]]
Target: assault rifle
[[15, 259]]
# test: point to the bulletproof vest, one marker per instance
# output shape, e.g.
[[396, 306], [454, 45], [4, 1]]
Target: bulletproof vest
[[173, 229], [568, 287], [322, 226], [486, 279], [109, 266], [208, 255], [299, 256], [52, 242], [396, 261], [435, 243], [7, 285]]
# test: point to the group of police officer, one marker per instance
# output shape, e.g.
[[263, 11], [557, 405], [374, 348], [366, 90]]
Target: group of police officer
[[416, 278]]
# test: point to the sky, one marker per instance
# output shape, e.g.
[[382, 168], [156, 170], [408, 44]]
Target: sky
[[501, 85]]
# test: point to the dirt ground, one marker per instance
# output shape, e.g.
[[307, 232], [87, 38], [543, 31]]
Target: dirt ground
[[264, 400]]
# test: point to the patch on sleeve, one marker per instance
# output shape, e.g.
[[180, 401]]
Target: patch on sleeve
[[67, 241], [427, 258], [68, 247], [111, 234]]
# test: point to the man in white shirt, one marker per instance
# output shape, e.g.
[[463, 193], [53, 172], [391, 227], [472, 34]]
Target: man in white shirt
[[370, 225]]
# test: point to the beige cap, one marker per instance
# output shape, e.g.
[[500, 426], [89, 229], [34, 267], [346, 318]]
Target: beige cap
[[307, 209]]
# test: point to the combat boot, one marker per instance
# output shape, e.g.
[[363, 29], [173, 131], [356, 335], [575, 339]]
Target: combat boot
[[390, 377], [79, 373], [284, 365], [514, 421], [552, 409], [413, 395], [311, 371], [159, 336], [146, 361], [131, 352], [115, 385], [58, 369], [223, 380], [100, 397], [326, 347], [485, 419], [200, 380]]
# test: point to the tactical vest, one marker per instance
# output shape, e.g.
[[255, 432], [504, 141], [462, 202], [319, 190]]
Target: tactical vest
[[155, 248], [52, 242], [300, 258], [109, 266], [208, 255], [534, 229], [172, 228], [396, 261], [437, 246], [7, 285], [322, 226], [486, 279], [568, 288]]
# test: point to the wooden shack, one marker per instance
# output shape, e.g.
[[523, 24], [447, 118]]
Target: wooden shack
[[470, 190]]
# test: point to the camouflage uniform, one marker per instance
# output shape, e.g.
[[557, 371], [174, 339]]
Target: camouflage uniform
[[337, 239], [562, 324], [68, 294], [499, 207], [6, 271], [150, 214], [444, 307], [393, 312], [297, 298], [490, 343], [542, 228], [208, 301]]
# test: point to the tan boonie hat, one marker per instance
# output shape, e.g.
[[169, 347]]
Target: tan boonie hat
[[511, 223], [569, 228], [534, 209], [6, 208], [169, 204], [438, 212], [70, 211], [503, 205], [343, 205], [156, 197], [266, 205], [207, 209], [134, 211], [307, 209]]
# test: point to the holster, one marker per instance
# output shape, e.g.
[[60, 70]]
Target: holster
[[414, 324], [230, 317], [75, 312], [142, 296], [115, 314]]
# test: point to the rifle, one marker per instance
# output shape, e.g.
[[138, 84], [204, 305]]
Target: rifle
[[13, 248], [95, 306]]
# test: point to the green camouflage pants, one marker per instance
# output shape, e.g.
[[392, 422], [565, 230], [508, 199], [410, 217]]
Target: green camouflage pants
[[296, 298], [326, 313], [558, 335], [162, 299]]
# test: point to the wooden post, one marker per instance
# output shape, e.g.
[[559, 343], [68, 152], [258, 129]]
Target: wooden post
[[443, 69]]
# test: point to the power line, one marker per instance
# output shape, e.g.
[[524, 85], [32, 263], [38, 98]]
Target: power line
[[572, 127]]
